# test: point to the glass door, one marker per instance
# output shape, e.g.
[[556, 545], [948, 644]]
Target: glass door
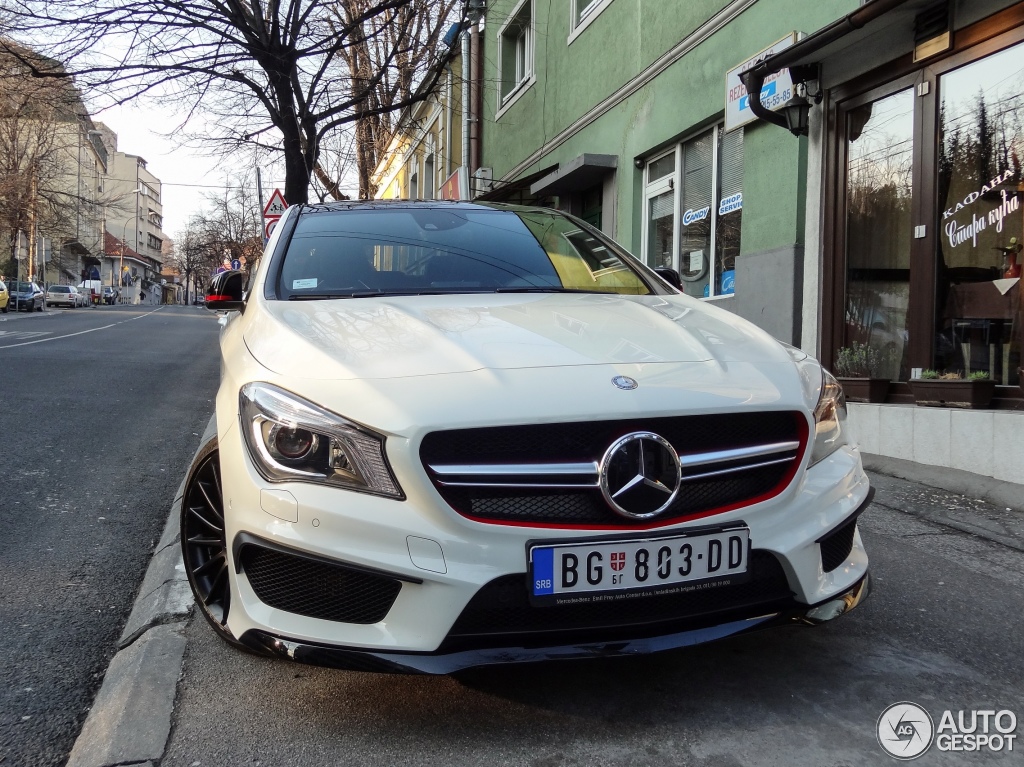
[[879, 196]]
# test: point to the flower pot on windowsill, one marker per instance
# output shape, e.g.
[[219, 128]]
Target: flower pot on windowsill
[[938, 392], [865, 389]]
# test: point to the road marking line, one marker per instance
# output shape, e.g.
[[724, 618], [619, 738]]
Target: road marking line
[[82, 332]]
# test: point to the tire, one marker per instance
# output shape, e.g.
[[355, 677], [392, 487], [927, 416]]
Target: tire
[[4, 310], [204, 543], [39, 308]]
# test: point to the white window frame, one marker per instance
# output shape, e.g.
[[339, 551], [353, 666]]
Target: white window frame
[[586, 11], [525, 79], [673, 181]]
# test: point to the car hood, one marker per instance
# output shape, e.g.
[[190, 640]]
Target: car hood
[[399, 337]]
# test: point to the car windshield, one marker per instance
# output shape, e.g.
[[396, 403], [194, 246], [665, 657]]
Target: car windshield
[[425, 250], [21, 287], [59, 289]]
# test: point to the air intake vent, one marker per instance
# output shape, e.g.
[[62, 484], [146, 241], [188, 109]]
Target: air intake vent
[[317, 589]]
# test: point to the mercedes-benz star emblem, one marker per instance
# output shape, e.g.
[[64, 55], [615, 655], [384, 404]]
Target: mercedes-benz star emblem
[[625, 382], [640, 475]]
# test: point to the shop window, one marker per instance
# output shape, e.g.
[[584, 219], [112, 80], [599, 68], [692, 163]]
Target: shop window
[[981, 216], [932, 218], [694, 202], [515, 50]]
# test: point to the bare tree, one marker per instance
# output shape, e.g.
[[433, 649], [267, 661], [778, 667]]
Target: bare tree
[[229, 228], [257, 69], [385, 53]]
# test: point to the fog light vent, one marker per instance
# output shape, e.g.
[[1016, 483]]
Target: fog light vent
[[316, 589]]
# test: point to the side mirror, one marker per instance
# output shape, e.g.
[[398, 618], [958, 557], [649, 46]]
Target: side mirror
[[226, 292], [671, 276]]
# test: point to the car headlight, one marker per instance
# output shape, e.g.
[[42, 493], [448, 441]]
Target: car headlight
[[821, 387], [291, 439]]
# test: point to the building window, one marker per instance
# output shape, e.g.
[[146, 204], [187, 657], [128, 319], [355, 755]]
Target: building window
[[583, 12], [515, 50], [428, 176], [693, 205]]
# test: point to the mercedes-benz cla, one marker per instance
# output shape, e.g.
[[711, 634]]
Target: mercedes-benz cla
[[453, 434]]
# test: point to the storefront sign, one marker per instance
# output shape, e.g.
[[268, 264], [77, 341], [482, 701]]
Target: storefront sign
[[730, 203], [958, 230], [776, 91], [692, 216], [455, 186]]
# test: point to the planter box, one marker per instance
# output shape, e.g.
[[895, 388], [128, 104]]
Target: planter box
[[865, 389], [967, 394]]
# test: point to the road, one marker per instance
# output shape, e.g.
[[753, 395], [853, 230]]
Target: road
[[101, 411], [942, 629]]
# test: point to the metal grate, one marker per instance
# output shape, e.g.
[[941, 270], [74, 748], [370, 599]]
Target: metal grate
[[836, 547], [501, 611], [318, 589], [584, 443]]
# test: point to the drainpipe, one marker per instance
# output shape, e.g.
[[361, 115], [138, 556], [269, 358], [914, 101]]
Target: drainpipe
[[474, 99], [465, 102], [753, 79]]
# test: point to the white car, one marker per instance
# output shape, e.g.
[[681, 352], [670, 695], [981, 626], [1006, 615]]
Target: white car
[[453, 434], [64, 295]]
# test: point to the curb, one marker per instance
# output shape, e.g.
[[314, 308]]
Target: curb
[[130, 720]]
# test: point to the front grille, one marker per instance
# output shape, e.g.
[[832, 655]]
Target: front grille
[[836, 547], [546, 474], [501, 611], [317, 589]]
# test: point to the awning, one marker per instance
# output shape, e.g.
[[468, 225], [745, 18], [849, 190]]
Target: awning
[[502, 190], [579, 174]]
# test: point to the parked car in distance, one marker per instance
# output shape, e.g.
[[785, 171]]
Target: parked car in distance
[[27, 296], [92, 290], [455, 434], [5, 297], [64, 295], [110, 295]]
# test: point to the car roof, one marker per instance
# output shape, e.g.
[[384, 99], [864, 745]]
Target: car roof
[[347, 205]]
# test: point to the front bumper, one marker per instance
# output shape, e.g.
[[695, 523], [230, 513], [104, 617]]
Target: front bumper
[[361, 659], [381, 535]]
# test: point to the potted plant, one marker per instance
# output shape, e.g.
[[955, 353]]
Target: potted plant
[[934, 389], [859, 370]]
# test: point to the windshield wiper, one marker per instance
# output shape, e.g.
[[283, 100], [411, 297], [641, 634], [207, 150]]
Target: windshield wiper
[[317, 297], [543, 290]]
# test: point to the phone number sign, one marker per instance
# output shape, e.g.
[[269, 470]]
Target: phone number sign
[[776, 91]]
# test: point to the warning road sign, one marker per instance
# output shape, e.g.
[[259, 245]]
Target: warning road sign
[[276, 206]]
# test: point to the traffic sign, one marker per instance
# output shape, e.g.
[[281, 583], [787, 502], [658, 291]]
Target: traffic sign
[[236, 264], [276, 206], [268, 226]]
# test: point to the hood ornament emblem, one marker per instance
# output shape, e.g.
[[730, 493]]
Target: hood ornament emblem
[[625, 382]]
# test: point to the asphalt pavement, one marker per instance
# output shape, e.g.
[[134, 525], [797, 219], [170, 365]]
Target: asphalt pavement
[[941, 629], [101, 411]]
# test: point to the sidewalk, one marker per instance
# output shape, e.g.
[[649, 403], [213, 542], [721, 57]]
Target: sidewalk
[[131, 719]]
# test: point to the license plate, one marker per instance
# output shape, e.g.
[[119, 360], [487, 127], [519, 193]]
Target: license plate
[[603, 571]]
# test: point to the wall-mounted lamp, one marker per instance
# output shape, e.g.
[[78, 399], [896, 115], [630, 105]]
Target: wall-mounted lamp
[[638, 163], [794, 114]]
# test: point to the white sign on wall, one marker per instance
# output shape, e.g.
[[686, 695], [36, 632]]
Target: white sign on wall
[[776, 91]]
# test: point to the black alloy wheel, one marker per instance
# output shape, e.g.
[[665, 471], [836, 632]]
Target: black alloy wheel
[[204, 544]]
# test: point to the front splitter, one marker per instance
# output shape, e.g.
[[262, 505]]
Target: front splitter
[[361, 659]]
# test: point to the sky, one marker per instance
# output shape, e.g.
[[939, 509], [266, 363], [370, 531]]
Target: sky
[[185, 173]]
